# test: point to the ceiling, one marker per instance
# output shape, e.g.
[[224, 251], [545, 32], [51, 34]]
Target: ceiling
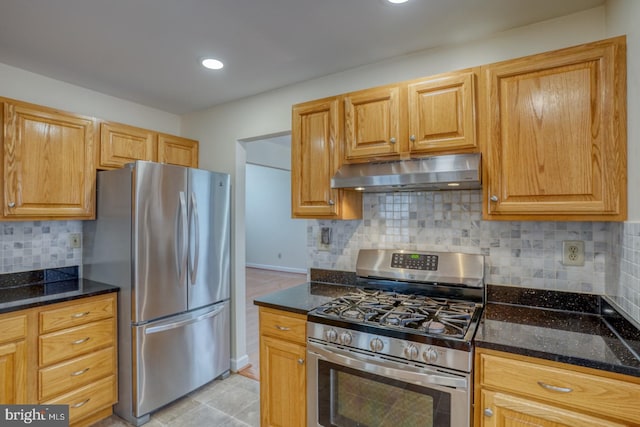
[[148, 51]]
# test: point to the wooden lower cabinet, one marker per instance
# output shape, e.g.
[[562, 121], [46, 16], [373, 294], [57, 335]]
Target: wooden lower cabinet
[[283, 350], [519, 391], [71, 357]]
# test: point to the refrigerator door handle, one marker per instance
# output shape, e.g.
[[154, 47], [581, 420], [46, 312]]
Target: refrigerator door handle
[[196, 238], [182, 270], [180, 323]]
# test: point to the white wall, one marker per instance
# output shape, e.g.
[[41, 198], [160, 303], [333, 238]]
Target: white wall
[[30, 87], [219, 129], [274, 240]]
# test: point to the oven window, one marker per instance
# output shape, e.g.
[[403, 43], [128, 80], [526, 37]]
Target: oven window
[[352, 398]]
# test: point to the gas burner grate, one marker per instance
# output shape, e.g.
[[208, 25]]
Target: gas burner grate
[[427, 315]]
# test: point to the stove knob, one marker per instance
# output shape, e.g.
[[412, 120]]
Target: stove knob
[[411, 352], [345, 338], [430, 355], [376, 345], [331, 335]]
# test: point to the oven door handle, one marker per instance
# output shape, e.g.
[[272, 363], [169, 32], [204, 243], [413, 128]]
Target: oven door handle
[[423, 376]]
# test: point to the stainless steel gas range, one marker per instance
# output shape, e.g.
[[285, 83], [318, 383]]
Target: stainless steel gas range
[[397, 351]]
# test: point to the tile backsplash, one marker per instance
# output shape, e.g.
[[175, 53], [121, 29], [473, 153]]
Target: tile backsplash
[[38, 245], [518, 253]]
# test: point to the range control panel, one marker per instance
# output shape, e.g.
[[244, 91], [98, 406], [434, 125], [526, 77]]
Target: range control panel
[[415, 261]]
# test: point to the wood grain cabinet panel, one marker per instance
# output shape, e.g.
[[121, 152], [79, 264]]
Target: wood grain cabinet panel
[[76, 314], [442, 113], [555, 130], [13, 373], [513, 390], [282, 369], [121, 144], [72, 342], [175, 150], [316, 154], [372, 119], [48, 163]]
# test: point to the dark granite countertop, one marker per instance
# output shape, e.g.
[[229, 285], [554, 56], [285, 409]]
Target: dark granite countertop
[[302, 298], [24, 290], [577, 329]]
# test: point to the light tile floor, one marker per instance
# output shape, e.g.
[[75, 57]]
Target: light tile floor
[[233, 402]]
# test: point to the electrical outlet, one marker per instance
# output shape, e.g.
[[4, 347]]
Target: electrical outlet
[[75, 241], [324, 242], [573, 252]]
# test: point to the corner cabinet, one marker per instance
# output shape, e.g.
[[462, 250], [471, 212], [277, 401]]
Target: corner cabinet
[[316, 154], [283, 357], [523, 391], [48, 163], [554, 126]]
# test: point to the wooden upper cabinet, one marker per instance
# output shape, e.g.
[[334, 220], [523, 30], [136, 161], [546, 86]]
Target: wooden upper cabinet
[[442, 113], [315, 157], [175, 150], [48, 163], [121, 144], [555, 130], [372, 120]]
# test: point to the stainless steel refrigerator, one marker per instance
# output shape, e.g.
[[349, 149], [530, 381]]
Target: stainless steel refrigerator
[[162, 234]]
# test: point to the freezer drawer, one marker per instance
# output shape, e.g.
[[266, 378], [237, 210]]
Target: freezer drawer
[[177, 355]]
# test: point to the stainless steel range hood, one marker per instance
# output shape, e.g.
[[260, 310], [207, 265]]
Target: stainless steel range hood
[[447, 172]]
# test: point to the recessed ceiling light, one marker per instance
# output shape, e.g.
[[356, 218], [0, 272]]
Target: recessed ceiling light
[[397, 1], [212, 64]]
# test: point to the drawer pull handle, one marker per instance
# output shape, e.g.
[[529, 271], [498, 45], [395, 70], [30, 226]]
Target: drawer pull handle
[[79, 315], [80, 341], [78, 373], [282, 328], [555, 388], [77, 405]]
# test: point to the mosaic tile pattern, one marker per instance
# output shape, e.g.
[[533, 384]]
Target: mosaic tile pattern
[[38, 245], [527, 254], [623, 272]]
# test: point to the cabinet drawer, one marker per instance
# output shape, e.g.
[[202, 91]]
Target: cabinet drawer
[[76, 314], [73, 342], [13, 328], [88, 399], [288, 326], [591, 393], [75, 373]]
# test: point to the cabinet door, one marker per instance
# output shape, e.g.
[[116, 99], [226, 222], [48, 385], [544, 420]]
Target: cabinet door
[[442, 113], [48, 164], [13, 373], [174, 150], [502, 410], [315, 158], [372, 123], [121, 144], [282, 383], [555, 128]]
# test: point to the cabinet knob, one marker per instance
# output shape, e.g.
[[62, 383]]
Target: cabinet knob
[[300, 361], [488, 412], [392, 140], [12, 204], [331, 202], [412, 138], [493, 198]]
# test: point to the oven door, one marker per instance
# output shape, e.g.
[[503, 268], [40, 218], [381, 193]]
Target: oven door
[[349, 389]]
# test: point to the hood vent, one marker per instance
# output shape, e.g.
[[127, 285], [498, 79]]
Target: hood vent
[[447, 172]]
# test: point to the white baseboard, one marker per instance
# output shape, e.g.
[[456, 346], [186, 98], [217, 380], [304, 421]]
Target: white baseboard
[[276, 268], [239, 363]]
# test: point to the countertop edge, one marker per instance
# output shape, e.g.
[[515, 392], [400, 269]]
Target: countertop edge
[[89, 288]]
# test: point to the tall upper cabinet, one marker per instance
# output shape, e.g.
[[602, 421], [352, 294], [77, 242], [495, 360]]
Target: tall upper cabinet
[[48, 163], [316, 155], [554, 129]]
